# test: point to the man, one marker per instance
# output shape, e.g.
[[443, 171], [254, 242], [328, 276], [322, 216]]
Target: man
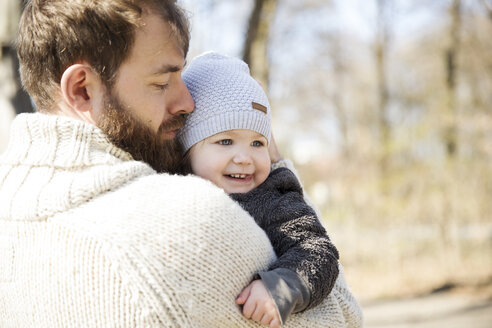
[[90, 235]]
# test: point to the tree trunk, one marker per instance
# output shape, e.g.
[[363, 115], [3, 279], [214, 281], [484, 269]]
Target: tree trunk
[[451, 54], [382, 84], [256, 43], [9, 17]]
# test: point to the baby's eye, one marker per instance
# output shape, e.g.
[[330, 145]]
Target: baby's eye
[[257, 143], [225, 142]]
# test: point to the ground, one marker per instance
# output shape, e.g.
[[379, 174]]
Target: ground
[[455, 308]]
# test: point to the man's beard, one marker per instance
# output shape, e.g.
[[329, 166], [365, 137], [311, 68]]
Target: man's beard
[[130, 134]]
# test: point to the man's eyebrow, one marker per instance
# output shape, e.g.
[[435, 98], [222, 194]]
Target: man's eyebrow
[[167, 68]]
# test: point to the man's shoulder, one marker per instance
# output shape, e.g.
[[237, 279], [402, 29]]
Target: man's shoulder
[[159, 209], [161, 196], [163, 185], [154, 205]]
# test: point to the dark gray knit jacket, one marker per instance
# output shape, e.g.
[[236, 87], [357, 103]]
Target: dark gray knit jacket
[[307, 262]]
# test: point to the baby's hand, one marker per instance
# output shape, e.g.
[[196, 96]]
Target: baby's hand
[[259, 305]]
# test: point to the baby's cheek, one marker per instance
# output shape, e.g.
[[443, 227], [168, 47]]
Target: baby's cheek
[[262, 176]]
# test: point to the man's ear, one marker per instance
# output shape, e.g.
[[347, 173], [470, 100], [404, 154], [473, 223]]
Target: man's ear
[[77, 86]]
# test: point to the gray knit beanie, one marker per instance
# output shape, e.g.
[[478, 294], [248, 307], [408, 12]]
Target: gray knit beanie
[[226, 98]]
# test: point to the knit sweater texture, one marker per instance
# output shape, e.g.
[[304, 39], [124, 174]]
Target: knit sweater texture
[[91, 238]]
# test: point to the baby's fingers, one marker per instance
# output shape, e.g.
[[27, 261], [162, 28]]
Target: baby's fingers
[[266, 320], [275, 323], [248, 309], [243, 296], [270, 319], [258, 314]]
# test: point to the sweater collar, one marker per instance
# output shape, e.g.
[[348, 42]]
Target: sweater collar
[[54, 164], [52, 140]]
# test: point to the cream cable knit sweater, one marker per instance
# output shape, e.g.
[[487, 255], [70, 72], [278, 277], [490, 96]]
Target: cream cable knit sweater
[[91, 238]]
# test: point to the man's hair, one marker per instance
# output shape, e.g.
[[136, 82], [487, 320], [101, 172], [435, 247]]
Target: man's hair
[[54, 34]]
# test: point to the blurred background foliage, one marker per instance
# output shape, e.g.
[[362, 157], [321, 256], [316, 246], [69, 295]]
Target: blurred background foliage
[[385, 107]]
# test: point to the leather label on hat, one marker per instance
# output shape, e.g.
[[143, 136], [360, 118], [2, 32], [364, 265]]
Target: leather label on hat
[[259, 107]]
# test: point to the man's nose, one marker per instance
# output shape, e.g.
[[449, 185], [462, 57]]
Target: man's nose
[[182, 102]]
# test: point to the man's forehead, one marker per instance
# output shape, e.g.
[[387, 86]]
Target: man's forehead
[[156, 47]]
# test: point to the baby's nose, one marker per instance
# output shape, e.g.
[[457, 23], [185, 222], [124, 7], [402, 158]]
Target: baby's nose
[[242, 158]]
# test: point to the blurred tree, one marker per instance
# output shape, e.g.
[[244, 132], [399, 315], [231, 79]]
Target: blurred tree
[[380, 51], [450, 133], [10, 13], [256, 42], [488, 6], [338, 94]]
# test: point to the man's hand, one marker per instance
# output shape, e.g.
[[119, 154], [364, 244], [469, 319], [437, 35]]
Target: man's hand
[[259, 305]]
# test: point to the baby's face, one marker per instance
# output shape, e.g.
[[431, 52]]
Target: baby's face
[[235, 160]]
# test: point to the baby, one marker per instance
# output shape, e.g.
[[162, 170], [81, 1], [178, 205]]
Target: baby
[[226, 141]]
